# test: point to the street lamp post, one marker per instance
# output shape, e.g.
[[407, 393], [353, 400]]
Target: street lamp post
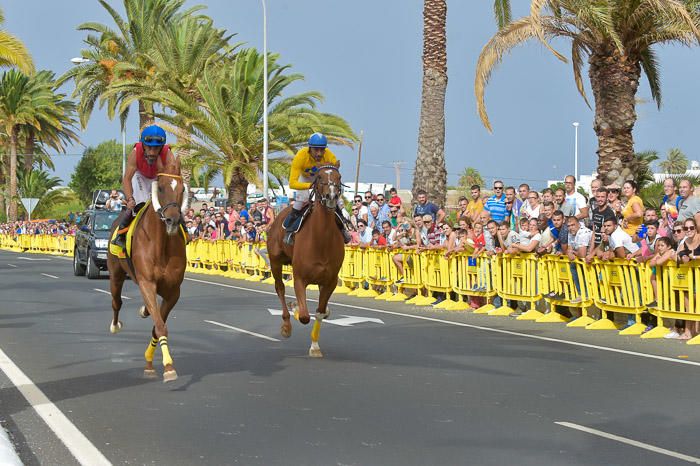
[[265, 141], [80, 61], [575, 123]]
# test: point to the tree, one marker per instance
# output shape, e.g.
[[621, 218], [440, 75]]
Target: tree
[[644, 174], [675, 163], [99, 168], [430, 173], [227, 126], [13, 52], [39, 184], [618, 38], [469, 177]]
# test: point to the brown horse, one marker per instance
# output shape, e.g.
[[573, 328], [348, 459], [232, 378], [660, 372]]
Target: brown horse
[[316, 256], [159, 259]]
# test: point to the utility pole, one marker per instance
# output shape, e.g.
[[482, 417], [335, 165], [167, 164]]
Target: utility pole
[[359, 157], [397, 173]]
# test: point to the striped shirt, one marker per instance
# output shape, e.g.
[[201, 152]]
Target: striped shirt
[[497, 207]]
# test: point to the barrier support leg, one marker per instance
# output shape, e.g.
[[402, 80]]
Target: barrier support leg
[[657, 332], [530, 314], [582, 321], [486, 308], [503, 311], [552, 317], [694, 341], [635, 329], [459, 305], [399, 296], [604, 323]]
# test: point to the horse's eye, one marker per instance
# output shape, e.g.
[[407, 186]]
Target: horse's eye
[[160, 190]]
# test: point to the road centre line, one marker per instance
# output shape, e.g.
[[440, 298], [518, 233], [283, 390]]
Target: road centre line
[[12, 265], [50, 276], [80, 447], [107, 292], [477, 327], [634, 443], [264, 337]]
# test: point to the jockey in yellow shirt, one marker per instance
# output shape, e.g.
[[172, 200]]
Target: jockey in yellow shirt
[[304, 167]]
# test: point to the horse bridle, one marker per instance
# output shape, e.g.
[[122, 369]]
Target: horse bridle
[[324, 198], [156, 203]]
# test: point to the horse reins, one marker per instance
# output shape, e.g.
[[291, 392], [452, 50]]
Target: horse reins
[[169, 204], [330, 184]]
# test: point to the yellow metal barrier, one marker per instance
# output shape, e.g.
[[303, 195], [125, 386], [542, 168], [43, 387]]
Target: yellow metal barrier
[[677, 296], [472, 276], [565, 283], [516, 279]]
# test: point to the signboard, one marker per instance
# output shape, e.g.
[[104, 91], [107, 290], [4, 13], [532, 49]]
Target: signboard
[[30, 203]]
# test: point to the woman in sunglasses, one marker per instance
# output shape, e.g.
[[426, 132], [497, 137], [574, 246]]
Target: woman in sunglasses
[[146, 159]]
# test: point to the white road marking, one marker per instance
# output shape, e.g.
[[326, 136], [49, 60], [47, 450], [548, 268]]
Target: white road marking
[[50, 276], [264, 337], [32, 258], [477, 327], [12, 265], [345, 321], [634, 443], [80, 447], [107, 292]]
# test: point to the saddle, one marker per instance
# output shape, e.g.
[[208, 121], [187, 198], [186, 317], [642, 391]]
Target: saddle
[[124, 253], [296, 226]]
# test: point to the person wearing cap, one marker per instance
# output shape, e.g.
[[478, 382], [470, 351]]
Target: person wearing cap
[[305, 165], [142, 166]]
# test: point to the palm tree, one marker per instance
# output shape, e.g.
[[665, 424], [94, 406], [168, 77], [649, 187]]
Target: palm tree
[[39, 184], [645, 175], [227, 125], [676, 162], [120, 53], [13, 52], [430, 173], [469, 177], [21, 100], [618, 38]]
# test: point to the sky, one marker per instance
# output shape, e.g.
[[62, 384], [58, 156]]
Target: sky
[[364, 56]]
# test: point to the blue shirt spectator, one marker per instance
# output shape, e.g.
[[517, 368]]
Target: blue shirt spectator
[[428, 208], [496, 204]]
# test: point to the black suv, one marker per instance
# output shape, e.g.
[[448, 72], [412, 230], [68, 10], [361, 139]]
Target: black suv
[[92, 242]]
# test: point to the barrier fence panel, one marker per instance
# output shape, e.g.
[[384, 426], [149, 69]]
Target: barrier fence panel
[[472, 277], [565, 283], [677, 297], [517, 280]]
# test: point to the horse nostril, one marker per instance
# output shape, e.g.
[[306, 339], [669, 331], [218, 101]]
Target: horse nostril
[[169, 221]]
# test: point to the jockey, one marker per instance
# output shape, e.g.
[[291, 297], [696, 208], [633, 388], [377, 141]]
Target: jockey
[[142, 167], [304, 167]]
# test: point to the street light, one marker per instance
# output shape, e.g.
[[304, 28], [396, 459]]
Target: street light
[[575, 123], [82, 61], [265, 142]]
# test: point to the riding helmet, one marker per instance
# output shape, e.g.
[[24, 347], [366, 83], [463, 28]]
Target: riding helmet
[[153, 136], [318, 140]]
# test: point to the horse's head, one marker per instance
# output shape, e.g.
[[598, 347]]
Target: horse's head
[[169, 198], [327, 186]]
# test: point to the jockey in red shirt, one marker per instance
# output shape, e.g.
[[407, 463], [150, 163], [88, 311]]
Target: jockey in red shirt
[[147, 157]]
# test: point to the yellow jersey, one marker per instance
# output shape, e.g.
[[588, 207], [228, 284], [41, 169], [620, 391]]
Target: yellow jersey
[[305, 165]]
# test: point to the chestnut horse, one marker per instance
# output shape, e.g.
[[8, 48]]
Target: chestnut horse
[[316, 256], [159, 260]]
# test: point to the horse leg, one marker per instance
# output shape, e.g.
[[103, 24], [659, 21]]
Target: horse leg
[[322, 312], [166, 306], [149, 371], [302, 312], [116, 283], [286, 329], [160, 330]]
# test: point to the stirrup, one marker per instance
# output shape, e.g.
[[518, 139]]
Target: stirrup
[[120, 240], [289, 238]]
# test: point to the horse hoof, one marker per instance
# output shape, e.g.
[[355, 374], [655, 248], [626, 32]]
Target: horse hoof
[[143, 312], [286, 330], [292, 305], [323, 316], [150, 374], [116, 328], [304, 319], [315, 353], [169, 376]]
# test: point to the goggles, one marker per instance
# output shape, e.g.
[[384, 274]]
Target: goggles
[[154, 140]]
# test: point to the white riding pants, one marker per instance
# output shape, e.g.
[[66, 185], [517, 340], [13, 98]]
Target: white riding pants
[[142, 187]]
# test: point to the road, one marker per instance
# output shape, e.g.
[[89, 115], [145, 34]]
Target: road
[[399, 385]]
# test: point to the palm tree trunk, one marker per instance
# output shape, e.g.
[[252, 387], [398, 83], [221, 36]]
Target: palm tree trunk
[[14, 135], [430, 173], [614, 80], [145, 116], [29, 150], [237, 187], [3, 180]]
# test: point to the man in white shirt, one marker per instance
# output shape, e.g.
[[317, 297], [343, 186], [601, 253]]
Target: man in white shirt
[[575, 202], [619, 243], [579, 238]]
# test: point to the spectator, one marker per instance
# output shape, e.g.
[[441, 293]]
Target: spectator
[[388, 233], [576, 203], [662, 254], [513, 208], [496, 204], [689, 206], [670, 203], [505, 237], [476, 204], [221, 226], [369, 197], [268, 213], [429, 234], [384, 211], [614, 200], [559, 198], [394, 215], [478, 239], [354, 215], [678, 236], [532, 208], [373, 216], [364, 235], [428, 208], [647, 237], [619, 243], [689, 250], [363, 211], [633, 212], [115, 202], [447, 237], [601, 213], [530, 242], [377, 239], [490, 236], [462, 204], [523, 191], [592, 203], [394, 200], [242, 212], [547, 195], [579, 238]]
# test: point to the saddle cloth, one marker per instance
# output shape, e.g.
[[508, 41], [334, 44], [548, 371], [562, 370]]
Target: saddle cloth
[[299, 220], [118, 250]]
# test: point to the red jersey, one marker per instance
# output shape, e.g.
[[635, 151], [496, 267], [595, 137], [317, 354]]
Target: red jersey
[[149, 171]]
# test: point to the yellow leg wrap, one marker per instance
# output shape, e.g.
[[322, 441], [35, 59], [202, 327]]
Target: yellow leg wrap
[[316, 331], [151, 350], [167, 360]]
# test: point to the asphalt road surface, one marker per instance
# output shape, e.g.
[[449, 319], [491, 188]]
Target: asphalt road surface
[[399, 385]]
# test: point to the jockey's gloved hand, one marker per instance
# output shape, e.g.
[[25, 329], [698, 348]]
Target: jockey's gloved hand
[[131, 203]]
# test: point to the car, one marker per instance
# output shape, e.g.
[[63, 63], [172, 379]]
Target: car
[[92, 242]]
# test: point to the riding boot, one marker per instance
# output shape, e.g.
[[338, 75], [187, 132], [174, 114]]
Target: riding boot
[[342, 224], [290, 221], [126, 218]]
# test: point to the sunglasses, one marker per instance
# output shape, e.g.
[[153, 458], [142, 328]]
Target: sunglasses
[[368, 197], [678, 231], [688, 228], [156, 139], [427, 221], [498, 187]]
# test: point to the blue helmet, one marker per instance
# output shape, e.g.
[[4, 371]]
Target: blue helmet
[[318, 140], [153, 136]]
